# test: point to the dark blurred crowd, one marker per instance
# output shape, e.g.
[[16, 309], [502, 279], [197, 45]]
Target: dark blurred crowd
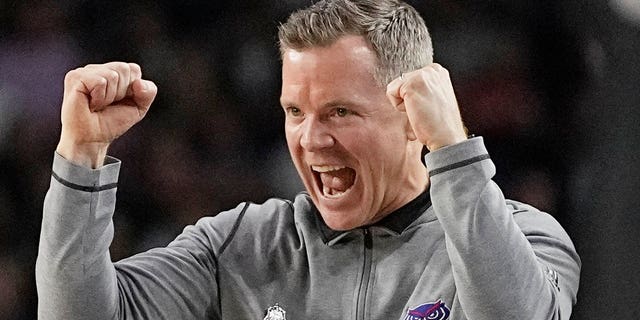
[[531, 77]]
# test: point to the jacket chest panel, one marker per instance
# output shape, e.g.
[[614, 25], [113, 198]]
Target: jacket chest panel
[[355, 278]]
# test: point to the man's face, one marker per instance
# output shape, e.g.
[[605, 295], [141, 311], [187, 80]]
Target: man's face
[[349, 144]]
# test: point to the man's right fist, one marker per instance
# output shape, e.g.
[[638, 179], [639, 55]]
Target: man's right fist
[[101, 102]]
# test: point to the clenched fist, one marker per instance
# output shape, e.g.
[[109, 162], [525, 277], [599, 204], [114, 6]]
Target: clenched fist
[[427, 96], [101, 102]]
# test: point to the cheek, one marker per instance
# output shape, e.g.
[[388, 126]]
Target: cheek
[[379, 155], [372, 144], [292, 139]]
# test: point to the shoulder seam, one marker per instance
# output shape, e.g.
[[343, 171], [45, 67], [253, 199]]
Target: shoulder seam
[[83, 188], [236, 225]]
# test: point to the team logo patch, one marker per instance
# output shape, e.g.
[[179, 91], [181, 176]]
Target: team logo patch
[[429, 311], [275, 313]]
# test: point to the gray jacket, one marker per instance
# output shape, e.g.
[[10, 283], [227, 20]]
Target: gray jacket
[[458, 251]]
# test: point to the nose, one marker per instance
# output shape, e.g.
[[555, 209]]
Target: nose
[[315, 135]]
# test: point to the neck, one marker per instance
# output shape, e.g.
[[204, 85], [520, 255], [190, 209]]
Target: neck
[[415, 182]]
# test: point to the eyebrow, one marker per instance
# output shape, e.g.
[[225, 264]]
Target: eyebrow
[[337, 103], [327, 105], [286, 104]]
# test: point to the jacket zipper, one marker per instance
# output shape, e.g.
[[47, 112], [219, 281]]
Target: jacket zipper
[[366, 275]]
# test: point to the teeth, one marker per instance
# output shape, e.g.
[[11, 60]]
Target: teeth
[[327, 168], [330, 193]]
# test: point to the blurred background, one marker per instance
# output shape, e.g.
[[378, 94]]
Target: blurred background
[[553, 86]]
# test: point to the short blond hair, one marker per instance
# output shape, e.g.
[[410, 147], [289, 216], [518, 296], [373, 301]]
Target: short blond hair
[[395, 30]]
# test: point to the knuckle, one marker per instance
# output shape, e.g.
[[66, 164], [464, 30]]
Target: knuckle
[[113, 68], [73, 76], [102, 82], [112, 75], [390, 88], [70, 76], [428, 76], [122, 67], [135, 68]]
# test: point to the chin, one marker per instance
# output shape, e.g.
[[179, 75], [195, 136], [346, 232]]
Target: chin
[[340, 221]]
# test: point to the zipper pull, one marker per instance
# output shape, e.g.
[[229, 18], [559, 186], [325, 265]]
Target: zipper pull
[[368, 239]]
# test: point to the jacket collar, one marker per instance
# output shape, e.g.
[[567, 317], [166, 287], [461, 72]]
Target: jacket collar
[[397, 221]]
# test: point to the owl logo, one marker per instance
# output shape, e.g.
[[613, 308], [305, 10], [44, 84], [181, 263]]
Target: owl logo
[[275, 313], [429, 311]]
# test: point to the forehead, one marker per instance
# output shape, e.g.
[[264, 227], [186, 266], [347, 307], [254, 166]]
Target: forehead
[[346, 51], [346, 65]]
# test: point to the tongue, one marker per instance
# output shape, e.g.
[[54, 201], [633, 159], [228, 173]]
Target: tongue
[[338, 180]]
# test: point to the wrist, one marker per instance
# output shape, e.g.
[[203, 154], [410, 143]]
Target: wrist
[[91, 155], [446, 141]]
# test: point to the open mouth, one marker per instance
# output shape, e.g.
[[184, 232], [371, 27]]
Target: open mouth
[[334, 181]]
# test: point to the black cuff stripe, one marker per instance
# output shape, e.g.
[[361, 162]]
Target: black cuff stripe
[[459, 164], [83, 188]]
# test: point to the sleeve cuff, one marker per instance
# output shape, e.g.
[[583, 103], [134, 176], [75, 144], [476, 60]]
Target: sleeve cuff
[[86, 179], [456, 156]]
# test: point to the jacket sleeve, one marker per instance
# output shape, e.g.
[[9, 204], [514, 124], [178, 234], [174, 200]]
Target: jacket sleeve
[[509, 260], [75, 276]]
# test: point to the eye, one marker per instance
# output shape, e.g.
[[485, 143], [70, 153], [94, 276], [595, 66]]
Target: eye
[[342, 112], [294, 111]]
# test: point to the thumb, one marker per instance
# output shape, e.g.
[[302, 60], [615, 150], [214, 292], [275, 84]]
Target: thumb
[[394, 95], [144, 92]]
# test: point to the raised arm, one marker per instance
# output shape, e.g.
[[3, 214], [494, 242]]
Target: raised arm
[[509, 260], [75, 276]]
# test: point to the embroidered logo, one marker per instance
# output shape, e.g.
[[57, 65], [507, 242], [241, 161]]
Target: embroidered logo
[[429, 311], [552, 276], [275, 313]]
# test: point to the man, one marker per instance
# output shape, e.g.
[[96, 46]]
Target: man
[[376, 236]]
